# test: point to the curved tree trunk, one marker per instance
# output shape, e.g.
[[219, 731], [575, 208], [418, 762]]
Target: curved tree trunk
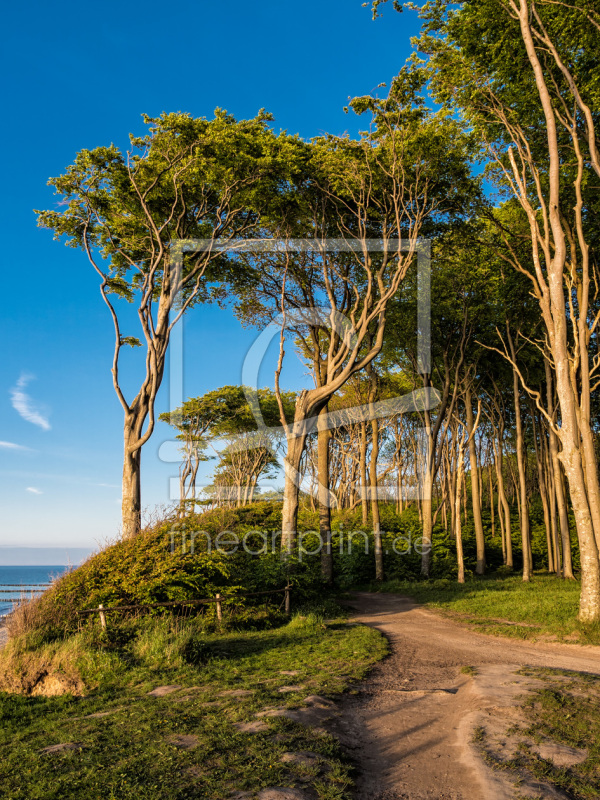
[[131, 500], [291, 493]]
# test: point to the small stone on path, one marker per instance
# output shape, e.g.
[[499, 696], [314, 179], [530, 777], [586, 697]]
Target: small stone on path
[[559, 754], [281, 793], [161, 691], [236, 693], [284, 689], [257, 726], [184, 741], [289, 672], [304, 758], [318, 701], [99, 714], [281, 711], [59, 748]]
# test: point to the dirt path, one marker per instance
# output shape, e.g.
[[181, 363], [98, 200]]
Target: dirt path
[[410, 727]]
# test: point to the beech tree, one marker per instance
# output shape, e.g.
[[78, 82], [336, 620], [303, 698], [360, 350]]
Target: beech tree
[[185, 178], [225, 415], [523, 73]]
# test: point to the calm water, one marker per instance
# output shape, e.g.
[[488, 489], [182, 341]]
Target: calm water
[[26, 576]]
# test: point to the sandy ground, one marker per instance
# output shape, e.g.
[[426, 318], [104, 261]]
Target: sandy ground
[[3, 635], [410, 727]]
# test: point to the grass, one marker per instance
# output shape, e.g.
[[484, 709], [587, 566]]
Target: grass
[[567, 712], [545, 608], [129, 754]]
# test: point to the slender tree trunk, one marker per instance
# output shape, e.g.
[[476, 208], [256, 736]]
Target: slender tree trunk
[[375, 501], [492, 506], [556, 320], [539, 457], [131, 501], [252, 489], [323, 437], [400, 503], [475, 494], [363, 473], [291, 493], [524, 516], [504, 502], [460, 471], [551, 491], [426, 493]]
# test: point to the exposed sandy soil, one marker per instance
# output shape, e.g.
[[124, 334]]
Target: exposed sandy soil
[[410, 727], [3, 635]]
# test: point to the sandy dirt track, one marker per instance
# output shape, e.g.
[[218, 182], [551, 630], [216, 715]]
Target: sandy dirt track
[[410, 727]]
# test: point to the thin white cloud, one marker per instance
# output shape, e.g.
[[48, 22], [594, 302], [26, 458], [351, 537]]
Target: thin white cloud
[[33, 490], [12, 446], [24, 406]]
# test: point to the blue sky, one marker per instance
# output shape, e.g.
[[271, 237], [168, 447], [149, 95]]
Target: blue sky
[[79, 76]]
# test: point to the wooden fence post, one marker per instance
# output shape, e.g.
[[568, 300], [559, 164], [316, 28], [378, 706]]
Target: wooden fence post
[[102, 616], [287, 599], [219, 609]]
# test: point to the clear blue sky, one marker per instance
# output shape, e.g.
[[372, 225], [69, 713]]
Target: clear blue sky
[[79, 75]]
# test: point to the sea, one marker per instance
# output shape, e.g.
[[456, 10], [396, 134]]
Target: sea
[[18, 582]]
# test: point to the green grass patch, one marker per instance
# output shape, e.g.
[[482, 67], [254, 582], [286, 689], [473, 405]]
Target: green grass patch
[[132, 752], [546, 607]]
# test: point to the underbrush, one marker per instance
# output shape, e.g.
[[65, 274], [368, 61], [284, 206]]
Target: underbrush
[[175, 562]]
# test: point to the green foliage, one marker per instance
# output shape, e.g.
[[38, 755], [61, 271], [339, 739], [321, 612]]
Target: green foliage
[[179, 561]]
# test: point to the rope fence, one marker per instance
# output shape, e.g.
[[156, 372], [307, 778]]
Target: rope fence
[[218, 600]]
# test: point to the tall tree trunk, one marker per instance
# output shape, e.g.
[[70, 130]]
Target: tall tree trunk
[[131, 500], [291, 493], [427, 492], [503, 500], [520, 447], [323, 437], [475, 494], [551, 491], [375, 501], [252, 489], [460, 471], [542, 484], [492, 506], [556, 320], [363, 473]]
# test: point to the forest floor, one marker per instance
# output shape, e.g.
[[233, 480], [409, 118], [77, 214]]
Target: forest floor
[[452, 714]]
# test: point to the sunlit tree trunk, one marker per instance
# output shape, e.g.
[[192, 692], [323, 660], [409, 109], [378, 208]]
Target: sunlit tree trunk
[[475, 494], [363, 473], [323, 437], [375, 500]]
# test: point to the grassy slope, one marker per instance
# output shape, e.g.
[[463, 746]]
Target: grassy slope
[[127, 754], [546, 607]]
